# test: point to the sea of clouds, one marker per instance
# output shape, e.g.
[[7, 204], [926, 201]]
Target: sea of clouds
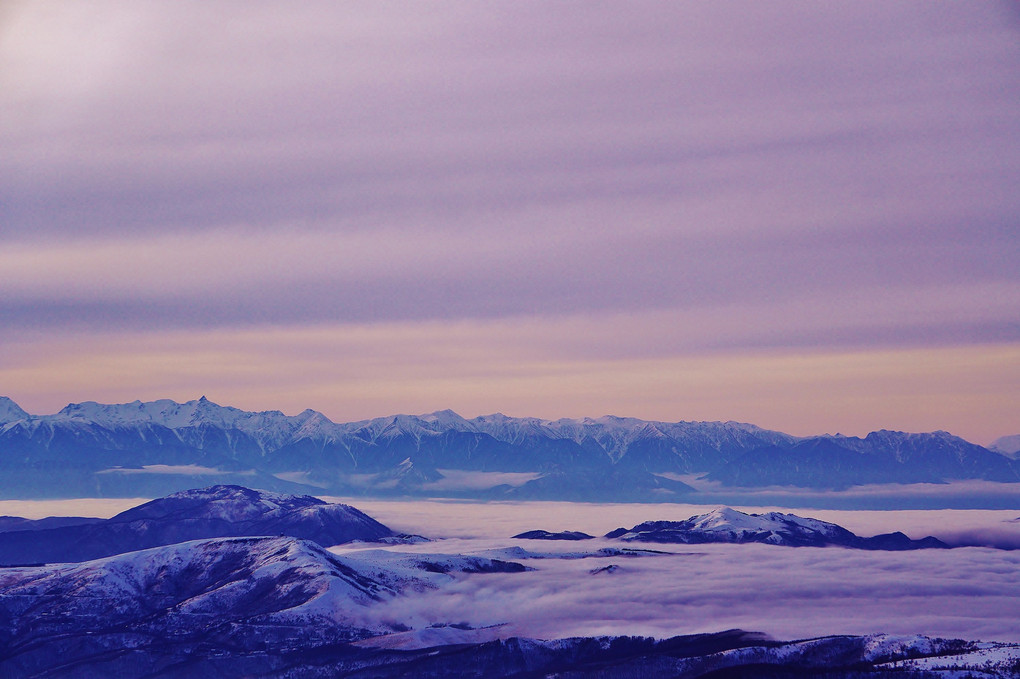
[[789, 593], [969, 592]]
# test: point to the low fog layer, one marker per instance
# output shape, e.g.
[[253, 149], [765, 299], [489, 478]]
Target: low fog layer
[[450, 518], [970, 592], [787, 592]]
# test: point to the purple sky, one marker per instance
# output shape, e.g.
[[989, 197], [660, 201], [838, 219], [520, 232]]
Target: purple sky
[[799, 215]]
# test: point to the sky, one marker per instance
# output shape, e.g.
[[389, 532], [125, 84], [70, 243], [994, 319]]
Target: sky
[[798, 215]]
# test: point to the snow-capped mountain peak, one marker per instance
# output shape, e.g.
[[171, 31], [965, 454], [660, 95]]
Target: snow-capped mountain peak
[[446, 419], [225, 502], [729, 525], [10, 411], [726, 519]]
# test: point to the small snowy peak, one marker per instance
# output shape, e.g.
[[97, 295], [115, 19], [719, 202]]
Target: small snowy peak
[[446, 419], [616, 435], [729, 525], [402, 571], [726, 519], [11, 411]]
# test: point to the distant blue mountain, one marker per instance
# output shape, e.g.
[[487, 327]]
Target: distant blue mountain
[[153, 448]]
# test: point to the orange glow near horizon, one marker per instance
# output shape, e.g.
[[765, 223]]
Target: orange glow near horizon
[[525, 368]]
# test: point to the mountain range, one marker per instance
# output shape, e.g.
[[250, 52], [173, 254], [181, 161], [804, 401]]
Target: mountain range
[[138, 449]]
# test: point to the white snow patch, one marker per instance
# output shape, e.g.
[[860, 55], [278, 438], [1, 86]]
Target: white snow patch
[[456, 479], [189, 469]]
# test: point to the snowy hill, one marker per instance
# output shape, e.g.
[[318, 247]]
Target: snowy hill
[[218, 511], [774, 528]]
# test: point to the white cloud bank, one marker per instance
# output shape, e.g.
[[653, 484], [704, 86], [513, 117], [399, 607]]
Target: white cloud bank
[[789, 593]]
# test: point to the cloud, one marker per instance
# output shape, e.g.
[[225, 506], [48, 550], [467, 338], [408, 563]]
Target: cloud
[[193, 469], [788, 593], [454, 520]]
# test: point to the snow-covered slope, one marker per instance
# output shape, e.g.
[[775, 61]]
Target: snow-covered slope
[[10, 411], [205, 598], [775, 528], [210, 591]]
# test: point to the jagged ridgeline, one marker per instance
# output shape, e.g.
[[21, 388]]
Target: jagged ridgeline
[[153, 448]]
